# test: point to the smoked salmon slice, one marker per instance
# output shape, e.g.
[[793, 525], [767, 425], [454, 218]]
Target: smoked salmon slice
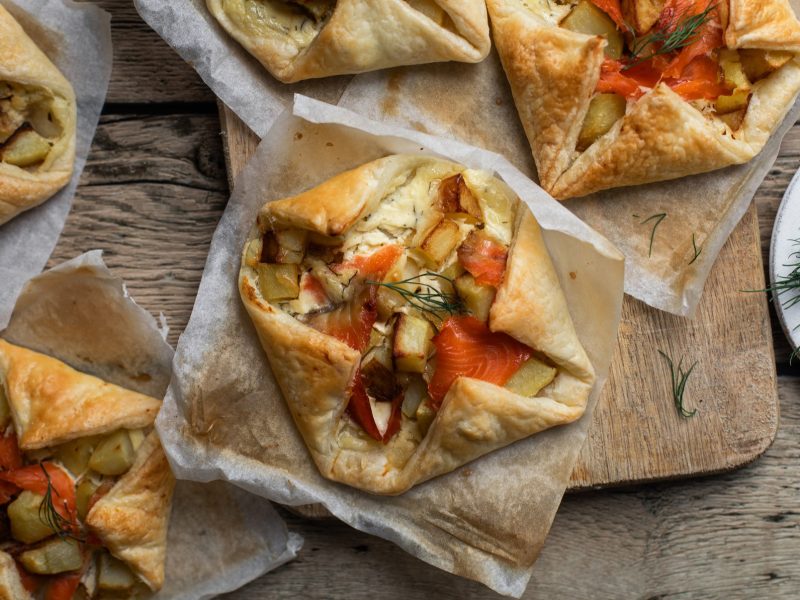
[[484, 258], [466, 347], [352, 322], [375, 265]]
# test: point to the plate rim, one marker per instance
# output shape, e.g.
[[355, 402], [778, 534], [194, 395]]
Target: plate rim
[[791, 194]]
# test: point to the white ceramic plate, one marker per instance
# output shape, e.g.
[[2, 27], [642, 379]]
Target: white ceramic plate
[[787, 229]]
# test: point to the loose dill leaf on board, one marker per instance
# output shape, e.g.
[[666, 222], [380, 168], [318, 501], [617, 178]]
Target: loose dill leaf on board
[[679, 379]]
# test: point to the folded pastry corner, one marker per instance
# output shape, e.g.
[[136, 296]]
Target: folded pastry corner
[[84, 481], [413, 320], [303, 39], [615, 93], [38, 118]]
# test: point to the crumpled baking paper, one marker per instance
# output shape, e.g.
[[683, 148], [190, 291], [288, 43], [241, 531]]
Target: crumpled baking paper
[[220, 537], [224, 416], [475, 105], [77, 38], [226, 67]]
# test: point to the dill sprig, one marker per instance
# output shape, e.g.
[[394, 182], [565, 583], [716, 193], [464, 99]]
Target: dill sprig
[[49, 515], [657, 218], [425, 296], [697, 251], [684, 34], [679, 378]]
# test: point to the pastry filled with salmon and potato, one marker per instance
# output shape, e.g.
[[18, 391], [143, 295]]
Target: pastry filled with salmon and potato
[[85, 487], [413, 319], [616, 93]]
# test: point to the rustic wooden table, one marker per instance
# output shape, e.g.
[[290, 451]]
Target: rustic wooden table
[[151, 195]]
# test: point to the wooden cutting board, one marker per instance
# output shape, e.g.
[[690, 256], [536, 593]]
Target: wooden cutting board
[[637, 434]]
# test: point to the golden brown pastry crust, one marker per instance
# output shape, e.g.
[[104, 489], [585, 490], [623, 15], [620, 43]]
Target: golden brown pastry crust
[[21, 61], [11, 587], [365, 35], [315, 370], [133, 518], [661, 137], [53, 403]]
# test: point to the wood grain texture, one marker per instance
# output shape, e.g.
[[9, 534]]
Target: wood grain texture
[[637, 434]]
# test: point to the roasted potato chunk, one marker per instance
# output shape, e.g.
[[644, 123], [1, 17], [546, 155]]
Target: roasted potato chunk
[[26, 525], [440, 243], [83, 495], [279, 282], [604, 111], [412, 343], [477, 298], [55, 556], [113, 455], [26, 148], [113, 575], [757, 64], [531, 378], [454, 196], [75, 455], [291, 246], [642, 14], [587, 18], [378, 375]]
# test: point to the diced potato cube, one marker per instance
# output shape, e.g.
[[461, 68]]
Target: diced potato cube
[[25, 149], [477, 298], [279, 282], [454, 196], [732, 103], [642, 14], [253, 254], [453, 271], [113, 455], [389, 301], [291, 246], [378, 375], [137, 437], [55, 556], [26, 525], [412, 343], [426, 223], [425, 416], [587, 18], [83, 495], [732, 70], [531, 378], [757, 64], [604, 111], [113, 575], [75, 455], [441, 242], [415, 393]]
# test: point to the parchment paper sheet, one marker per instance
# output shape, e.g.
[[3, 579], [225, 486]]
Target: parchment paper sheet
[[475, 105], [229, 70], [224, 416], [77, 38], [220, 537]]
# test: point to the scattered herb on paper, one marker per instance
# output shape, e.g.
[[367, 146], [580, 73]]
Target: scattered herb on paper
[[697, 251], [663, 41], [657, 218], [679, 379], [425, 296]]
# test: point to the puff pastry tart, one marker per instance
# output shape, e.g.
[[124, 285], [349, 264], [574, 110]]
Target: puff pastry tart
[[615, 93], [84, 483], [303, 39], [413, 320], [37, 123]]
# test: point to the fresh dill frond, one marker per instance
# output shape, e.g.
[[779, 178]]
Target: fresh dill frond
[[657, 218], [679, 379], [697, 251], [666, 42], [425, 296], [49, 515]]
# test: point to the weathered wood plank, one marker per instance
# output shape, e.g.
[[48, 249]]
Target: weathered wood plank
[[727, 537]]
